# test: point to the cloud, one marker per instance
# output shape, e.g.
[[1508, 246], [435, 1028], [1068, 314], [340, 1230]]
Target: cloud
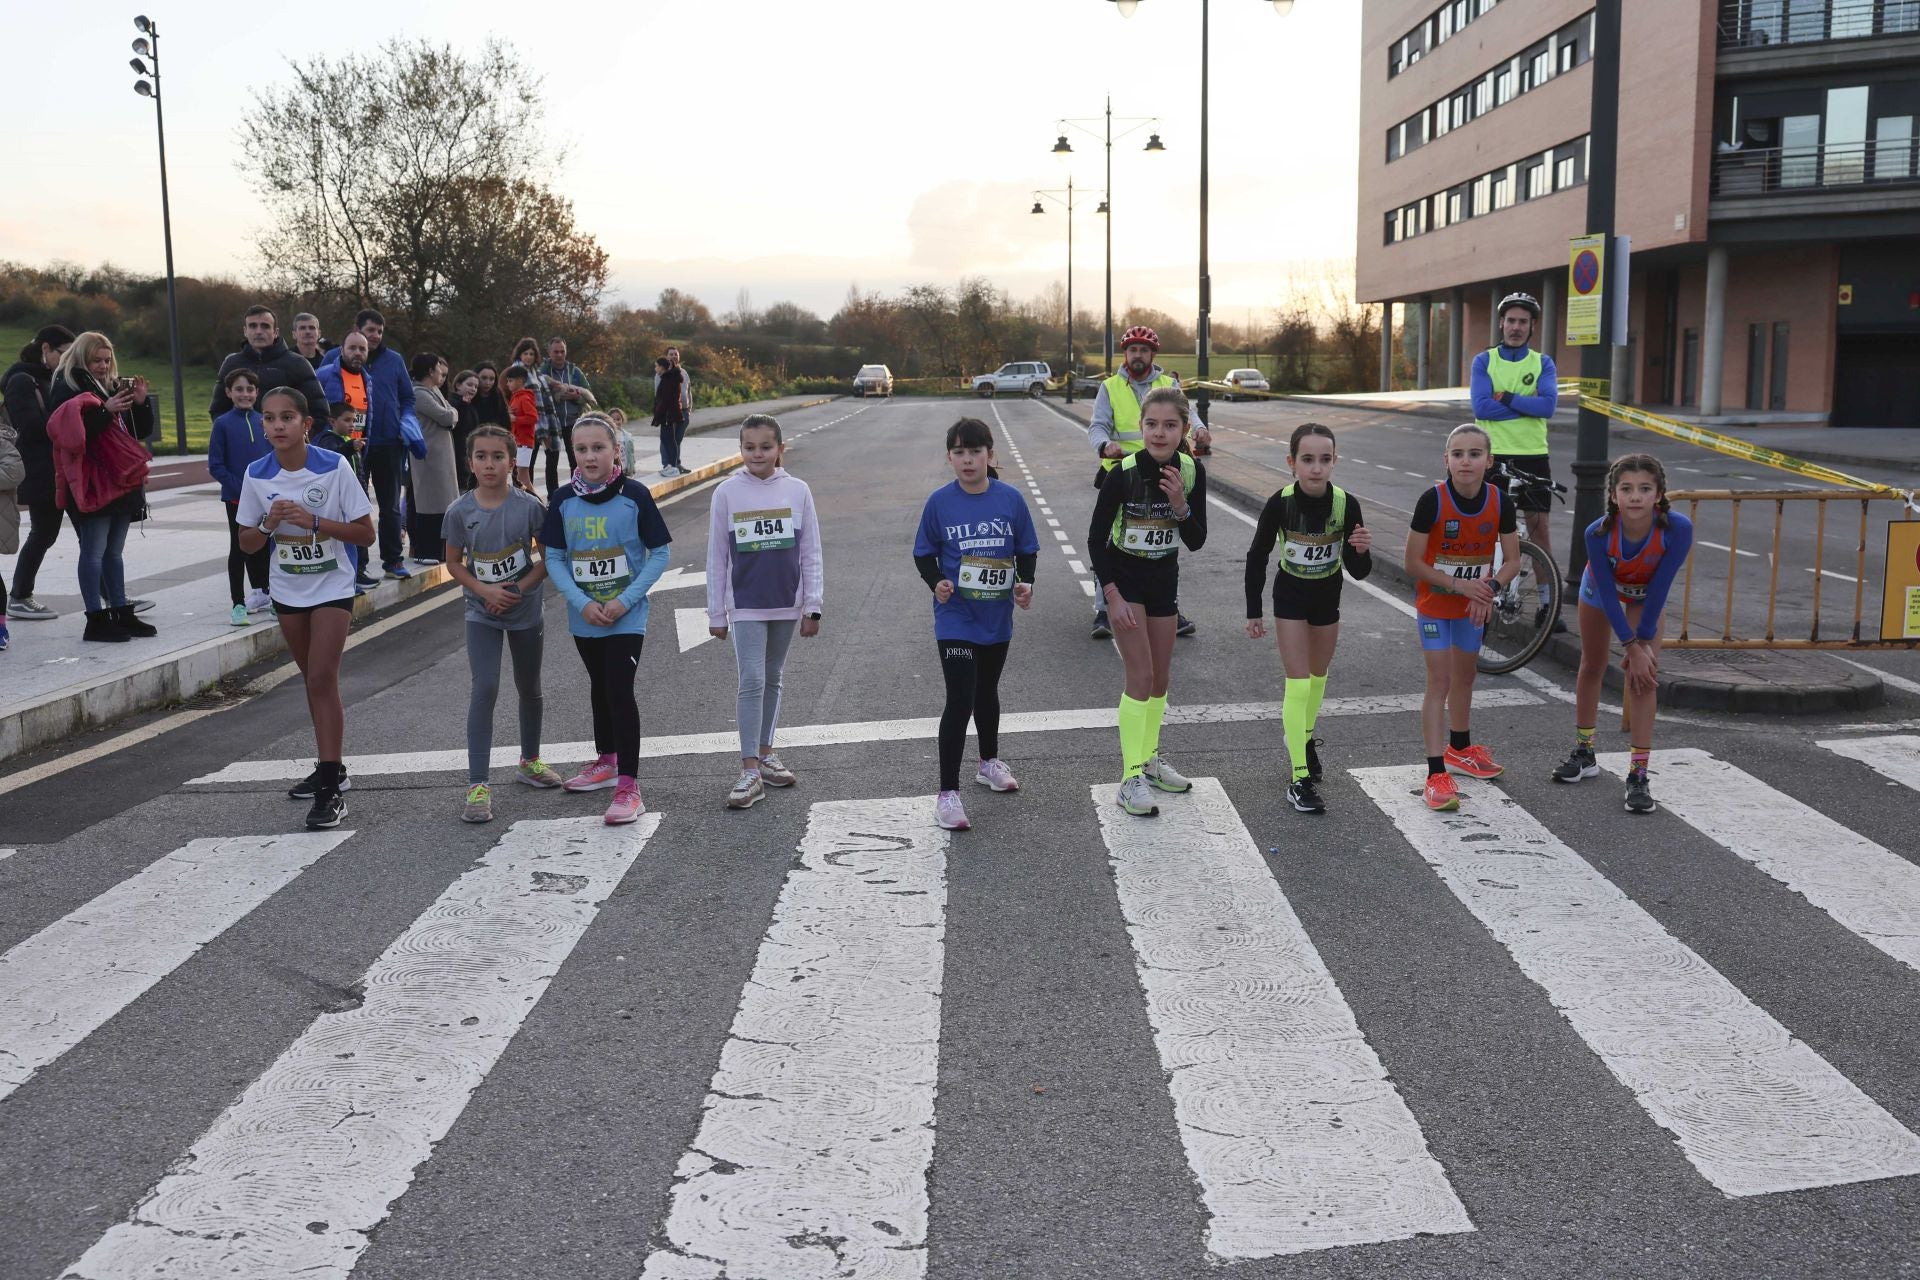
[[978, 227]]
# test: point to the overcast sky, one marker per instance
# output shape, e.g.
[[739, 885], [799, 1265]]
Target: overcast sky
[[787, 148]]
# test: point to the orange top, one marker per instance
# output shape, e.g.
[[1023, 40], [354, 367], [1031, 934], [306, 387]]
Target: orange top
[[1460, 544], [526, 417]]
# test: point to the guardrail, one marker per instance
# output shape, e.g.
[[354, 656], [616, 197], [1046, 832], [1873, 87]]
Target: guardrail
[[1752, 24], [1894, 612], [1765, 171]]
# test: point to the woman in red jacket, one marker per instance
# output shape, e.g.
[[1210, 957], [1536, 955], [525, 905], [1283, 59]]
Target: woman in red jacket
[[102, 517]]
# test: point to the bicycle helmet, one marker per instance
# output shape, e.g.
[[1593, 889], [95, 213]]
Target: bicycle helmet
[[1139, 334], [1526, 300]]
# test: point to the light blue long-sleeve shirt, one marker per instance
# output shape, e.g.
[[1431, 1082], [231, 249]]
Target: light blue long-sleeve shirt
[[611, 546]]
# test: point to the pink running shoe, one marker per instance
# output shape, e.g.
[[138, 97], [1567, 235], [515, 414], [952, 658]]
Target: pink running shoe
[[995, 774], [948, 812], [598, 776], [627, 805]]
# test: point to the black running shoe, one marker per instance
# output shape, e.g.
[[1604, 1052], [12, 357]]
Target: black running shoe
[[1639, 795], [1313, 759], [1101, 629], [1578, 765], [1305, 797], [328, 808], [308, 787], [1185, 626]]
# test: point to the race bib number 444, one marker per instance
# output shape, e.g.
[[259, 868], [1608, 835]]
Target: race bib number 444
[[602, 574], [982, 578], [1463, 570], [771, 530]]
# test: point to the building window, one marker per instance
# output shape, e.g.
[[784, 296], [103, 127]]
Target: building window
[[1482, 195], [1537, 181], [1756, 365], [1563, 173], [1893, 148], [1777, 395], [1800, 151], [1503, 85], [1563, 50], [1454, 200], [1567, 54], [1503, 188]]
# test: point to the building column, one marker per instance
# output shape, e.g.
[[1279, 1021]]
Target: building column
[[1713, 342], [1549, 339], [1422, 323], [1386, 345], [1456, 337]]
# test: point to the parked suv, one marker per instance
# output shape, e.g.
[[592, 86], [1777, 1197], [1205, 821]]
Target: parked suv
[[873, 380], [1028, 377]]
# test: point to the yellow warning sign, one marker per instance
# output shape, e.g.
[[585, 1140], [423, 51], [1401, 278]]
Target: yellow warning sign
[[1900, 596], [1586, 279]]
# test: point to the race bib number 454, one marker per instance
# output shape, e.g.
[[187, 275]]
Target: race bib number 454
[[771, 530]]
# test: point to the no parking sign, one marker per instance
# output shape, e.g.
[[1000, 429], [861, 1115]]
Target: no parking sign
[[1586, 288]]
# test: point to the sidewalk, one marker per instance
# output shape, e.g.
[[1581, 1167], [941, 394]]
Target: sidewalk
[[53, 684]]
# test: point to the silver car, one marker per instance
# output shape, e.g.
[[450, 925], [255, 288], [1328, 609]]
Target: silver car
[[1025, 377], [873, 380], [1246, 380]]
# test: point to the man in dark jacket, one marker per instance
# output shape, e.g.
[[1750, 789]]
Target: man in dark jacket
[[270, 360], [25, 386], [390, 423]]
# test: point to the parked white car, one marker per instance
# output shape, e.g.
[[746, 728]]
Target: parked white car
[[1024, 377], [873, 380], [1246, 380]]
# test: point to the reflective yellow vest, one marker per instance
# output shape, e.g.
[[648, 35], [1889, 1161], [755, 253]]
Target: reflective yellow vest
[[1516, 436], [1126, 414]]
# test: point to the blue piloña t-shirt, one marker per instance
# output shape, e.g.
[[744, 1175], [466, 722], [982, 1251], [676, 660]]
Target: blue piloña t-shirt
[[976, 536]]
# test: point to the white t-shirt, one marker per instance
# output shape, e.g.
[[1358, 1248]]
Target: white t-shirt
[[307, 569]]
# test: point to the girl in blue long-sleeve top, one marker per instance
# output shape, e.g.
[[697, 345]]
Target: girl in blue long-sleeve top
[[607, 545], [1634, 552], [238, 441]]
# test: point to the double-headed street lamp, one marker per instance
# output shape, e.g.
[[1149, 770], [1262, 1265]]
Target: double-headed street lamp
[[1063, 148], [1065, 198], [1126, 8], [148, 46]]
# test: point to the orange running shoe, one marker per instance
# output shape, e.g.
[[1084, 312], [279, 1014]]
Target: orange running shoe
[[1475, 762], [1442, 792]]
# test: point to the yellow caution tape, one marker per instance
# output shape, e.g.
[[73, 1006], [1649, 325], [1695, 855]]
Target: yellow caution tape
[[1747, 451]]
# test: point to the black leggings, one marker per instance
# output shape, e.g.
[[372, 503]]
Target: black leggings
[[973, 691], [612, 662], [43, 533], [240, 565]]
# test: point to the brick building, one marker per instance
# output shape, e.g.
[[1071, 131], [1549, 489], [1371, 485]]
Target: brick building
[[1768, 176]]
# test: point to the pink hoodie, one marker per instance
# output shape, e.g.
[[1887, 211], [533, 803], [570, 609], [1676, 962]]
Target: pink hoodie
[[763, 550]]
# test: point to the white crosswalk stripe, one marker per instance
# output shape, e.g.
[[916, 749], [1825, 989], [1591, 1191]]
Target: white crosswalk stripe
[[295, 1174], [1869, 890], [1296, 1135], [1752, 1108], [1896, 758], [63, 983]]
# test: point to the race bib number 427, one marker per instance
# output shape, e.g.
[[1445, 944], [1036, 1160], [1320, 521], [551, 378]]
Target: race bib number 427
[[602, 574]]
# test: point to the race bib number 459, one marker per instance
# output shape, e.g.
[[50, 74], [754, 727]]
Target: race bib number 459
[[772, 530], [982, 578]]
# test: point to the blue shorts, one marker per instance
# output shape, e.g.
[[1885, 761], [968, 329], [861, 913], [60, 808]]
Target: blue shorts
[[1450, 633]]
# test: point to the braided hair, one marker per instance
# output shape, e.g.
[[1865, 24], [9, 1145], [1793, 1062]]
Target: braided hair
[[1646, 464]]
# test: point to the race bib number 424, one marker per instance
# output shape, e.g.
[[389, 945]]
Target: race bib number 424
[[772, 530]]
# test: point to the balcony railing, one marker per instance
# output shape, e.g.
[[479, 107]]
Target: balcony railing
[[1767, 171], [1754, 24]]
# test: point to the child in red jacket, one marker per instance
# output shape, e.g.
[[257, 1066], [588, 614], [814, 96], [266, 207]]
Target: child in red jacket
[[525, 411]]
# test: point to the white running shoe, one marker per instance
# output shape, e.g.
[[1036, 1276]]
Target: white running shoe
[[1164, 776], [1136, 797], [747, 792], [775, 774], [258, 602], [995, 774]]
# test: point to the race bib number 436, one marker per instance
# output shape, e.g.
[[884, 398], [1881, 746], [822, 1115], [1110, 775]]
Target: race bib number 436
[[1149, 537], [771, 530]]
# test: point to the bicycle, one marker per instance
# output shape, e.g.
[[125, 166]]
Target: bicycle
[[1519, 624]]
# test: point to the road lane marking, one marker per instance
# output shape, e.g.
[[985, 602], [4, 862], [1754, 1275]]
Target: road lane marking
[[62, 984], [1753, 1109], [1868, 890], [1899, 682], [1831, 573], [292, 1178], [1895, 758], [1721, 546], [1291, 1125], [844, 733], [690, 628], [814, 1141]]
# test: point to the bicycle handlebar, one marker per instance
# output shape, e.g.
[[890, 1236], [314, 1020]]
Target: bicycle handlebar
[[1514, 481]]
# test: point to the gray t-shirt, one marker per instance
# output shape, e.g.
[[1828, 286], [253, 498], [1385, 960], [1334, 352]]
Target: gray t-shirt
[[497, 546]]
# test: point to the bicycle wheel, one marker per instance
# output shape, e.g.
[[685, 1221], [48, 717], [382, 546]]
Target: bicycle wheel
[[1518, 627]]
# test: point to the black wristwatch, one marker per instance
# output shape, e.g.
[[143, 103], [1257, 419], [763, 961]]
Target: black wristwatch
[[813, 617]]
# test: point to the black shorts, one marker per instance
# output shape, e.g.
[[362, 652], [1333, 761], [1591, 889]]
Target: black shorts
[[1315, 603], [1154, 585], [1530, 464], [282, 610]]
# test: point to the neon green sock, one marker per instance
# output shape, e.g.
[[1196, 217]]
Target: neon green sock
[[1133, 723], [1584, 737], [1293, 717], [1156, 712], [1316, 694]]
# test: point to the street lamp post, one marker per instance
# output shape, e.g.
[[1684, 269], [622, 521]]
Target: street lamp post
[[1202, 401], [1039, 206], [1062, 147], [148, 46], [1603, 131]]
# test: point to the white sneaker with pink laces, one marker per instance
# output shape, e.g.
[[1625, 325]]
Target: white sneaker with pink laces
[[994, 773], [598, 776], [627, 805]]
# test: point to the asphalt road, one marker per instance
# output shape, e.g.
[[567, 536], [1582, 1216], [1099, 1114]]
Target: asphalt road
[[1543, 1039]]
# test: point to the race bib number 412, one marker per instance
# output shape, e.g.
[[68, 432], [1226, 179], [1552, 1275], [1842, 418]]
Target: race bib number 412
[[509, 565]]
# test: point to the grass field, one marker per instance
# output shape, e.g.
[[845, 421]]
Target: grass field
[[199, 383]]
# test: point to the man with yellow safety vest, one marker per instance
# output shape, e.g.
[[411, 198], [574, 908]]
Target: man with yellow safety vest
[[1115, 429], [1515, 391]]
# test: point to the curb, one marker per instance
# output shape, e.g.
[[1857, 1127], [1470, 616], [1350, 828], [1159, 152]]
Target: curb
[[174, 677], [1849, 691]]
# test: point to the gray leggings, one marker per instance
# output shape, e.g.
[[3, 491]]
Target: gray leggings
[[483, 656], [760, 648]]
